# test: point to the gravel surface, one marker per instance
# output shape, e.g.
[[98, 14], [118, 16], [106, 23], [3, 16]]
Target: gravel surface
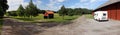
[[83, 26], [80, 26]]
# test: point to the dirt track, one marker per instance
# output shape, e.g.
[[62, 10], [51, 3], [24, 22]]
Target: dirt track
[[80, 26]]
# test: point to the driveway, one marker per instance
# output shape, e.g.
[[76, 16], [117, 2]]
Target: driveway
[[80, 26], [84, 26]]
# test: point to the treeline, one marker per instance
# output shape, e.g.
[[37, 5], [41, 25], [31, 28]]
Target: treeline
[[15, 13], [34, 11], [77, 11], [30, 11]]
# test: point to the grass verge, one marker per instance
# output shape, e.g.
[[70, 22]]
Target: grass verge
[[40, 18], [89, 16], [1, 23]]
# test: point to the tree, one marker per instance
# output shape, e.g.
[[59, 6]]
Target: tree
[[31, 10], [86, 11], [3, 7], [1, 12], [20, 11], [11, 13], [36, 12], [62, 11], [41, 11], [76, 11], [70, 12]]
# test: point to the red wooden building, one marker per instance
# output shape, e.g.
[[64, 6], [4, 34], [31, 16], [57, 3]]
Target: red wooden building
[[113, 8], [48, 14]]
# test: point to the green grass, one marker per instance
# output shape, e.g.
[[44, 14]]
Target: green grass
[[1, 23], [40, 18], [89, 16]]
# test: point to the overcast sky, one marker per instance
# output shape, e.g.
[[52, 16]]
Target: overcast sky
[[56, 4]]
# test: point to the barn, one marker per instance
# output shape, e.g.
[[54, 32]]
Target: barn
[[112, 7]]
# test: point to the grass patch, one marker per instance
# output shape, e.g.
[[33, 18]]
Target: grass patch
[[40, 18], [89, 16], [24, 19], [60, 19], [1, 23]]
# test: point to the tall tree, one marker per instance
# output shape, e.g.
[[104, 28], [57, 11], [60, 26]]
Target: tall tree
[[20, 11], [62, 11], [3, 7], [31, 9]]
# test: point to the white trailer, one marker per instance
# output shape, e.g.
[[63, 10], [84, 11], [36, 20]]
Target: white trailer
[[101, 15]]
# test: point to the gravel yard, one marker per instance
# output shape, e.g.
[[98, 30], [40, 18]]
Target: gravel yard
[[83, 26], [80, 26]]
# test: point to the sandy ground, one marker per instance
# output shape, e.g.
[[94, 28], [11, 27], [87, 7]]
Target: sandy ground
[[80, 26]]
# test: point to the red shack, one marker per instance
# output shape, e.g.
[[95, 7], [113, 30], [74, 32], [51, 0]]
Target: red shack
[[112, 7], [49, 14]]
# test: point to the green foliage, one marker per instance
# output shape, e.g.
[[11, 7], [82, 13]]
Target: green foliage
[[3, 7], [20, 11], [62, 11], [11, 13], [70, 11], [89, 16], [76, 11], [31, 10], [1, 23], [86, 11], [1, 12], [41, 11], [40, 18]]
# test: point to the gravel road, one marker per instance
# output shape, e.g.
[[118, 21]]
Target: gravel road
[[83, 26], [80, 26]]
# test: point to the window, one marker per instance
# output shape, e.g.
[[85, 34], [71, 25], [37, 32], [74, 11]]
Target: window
[[104, 14]]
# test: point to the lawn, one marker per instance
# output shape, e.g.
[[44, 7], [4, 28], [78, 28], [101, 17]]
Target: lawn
[[40, 18], [89, 16]]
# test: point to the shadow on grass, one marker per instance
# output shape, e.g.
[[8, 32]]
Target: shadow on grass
[[68, 19], [25, 19], [52, 24], [1, 23]]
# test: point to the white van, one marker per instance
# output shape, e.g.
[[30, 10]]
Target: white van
[[101, 15]]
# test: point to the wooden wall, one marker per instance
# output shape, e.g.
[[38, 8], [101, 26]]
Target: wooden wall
[[113, 11]]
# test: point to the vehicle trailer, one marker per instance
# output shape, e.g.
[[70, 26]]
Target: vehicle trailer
[[101, 15]]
